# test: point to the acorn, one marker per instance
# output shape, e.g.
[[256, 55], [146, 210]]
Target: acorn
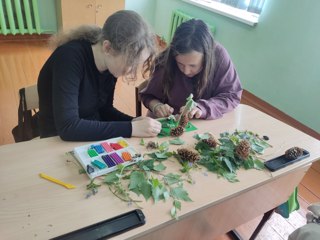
[[176, 132], [293, 153], [188, 155], [243, 149]]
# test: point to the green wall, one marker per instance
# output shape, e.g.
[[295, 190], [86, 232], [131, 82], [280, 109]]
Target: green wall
[[145, 7], [277, 60]]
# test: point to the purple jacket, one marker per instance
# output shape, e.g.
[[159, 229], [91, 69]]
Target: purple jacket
[[222, 95]]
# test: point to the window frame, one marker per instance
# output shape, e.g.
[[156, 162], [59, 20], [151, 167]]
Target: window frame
[[240, 15]]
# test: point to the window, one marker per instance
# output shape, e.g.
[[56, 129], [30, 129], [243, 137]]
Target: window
[[246, 11]]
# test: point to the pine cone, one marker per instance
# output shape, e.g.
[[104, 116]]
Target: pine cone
[[293, 153], [151, 145], [176, 132], [188, 155], [184, 121], [243, 149], [211, 142]]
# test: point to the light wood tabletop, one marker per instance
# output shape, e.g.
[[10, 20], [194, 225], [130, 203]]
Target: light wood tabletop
[[34, 208]]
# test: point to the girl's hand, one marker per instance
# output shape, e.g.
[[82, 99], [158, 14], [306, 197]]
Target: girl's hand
[[145, 127], [163, 110], [193, 113]]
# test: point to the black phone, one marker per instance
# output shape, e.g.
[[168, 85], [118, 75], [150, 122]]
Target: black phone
[[107, 228], [282, 161]]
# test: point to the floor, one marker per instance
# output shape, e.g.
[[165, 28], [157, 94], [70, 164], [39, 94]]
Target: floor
[[20, 62]]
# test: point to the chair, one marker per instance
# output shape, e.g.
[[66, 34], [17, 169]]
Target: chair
[[138, 89], [27, 127]]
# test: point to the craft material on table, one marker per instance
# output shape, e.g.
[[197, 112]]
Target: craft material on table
[[169, 123], [54, 180], [102, 157]]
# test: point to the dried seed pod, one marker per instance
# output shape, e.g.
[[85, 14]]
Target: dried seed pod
[[184, 120], [151, 145], [176, 132], [211, 142], [188, 155], [243, 149], [293, 153]]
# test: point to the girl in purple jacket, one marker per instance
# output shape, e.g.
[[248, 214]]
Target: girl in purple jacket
[[193, 63]]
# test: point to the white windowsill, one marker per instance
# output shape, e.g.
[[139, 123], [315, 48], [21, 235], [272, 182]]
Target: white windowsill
[[228, 11]]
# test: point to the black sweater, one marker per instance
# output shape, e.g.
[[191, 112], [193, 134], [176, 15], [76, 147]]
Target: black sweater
[[76, 100]]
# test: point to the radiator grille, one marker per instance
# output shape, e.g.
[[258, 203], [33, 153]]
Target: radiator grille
[[19, 16], [179, 17]]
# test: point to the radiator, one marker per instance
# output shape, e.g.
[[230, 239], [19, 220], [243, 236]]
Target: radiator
[[179, 17], [19, 16]]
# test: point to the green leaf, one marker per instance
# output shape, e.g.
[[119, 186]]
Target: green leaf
[[248, 164], [160, 167], [157, 193], [136, 178], [258, 165], [142, 141], [146, 190], [231, 177], [173, 212], [111, 178], [257, 148], [180, 193], [161, 155], [172, 178], [202, 136], [146, 165], [166, 195], [163, 147], [176, 141], [228, 164], [177, 204]]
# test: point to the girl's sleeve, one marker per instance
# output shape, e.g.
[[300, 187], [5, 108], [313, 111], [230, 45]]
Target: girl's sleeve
[[226, 89]]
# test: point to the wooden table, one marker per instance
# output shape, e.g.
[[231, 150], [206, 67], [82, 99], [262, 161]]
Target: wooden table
[[33, 208]]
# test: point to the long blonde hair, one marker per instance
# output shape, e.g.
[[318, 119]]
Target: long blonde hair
[[128, 34]]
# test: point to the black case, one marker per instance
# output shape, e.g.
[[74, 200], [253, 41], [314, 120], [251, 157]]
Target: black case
[[107, 228], [282, 161]]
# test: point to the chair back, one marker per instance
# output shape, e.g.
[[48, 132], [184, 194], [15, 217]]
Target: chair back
[[31, 97], [28, 127]]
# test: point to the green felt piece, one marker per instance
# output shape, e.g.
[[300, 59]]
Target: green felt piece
[[168, 124]]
